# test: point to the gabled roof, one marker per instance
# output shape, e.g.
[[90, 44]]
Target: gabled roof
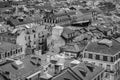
[[66, 74], [82, 71], [87, 71]]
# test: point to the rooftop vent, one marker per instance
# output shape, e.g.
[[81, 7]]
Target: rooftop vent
[[106, 42], [17, 64]]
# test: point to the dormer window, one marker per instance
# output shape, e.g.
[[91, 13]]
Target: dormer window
[[83, 72], [90, 67]]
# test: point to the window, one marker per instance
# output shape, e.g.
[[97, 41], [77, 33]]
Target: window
[[8, 54], [21, 49], [5, 54], [114, 58], [117, 56], [34, 36], [97, 57], [0, 56], [68, 35], [85, 55], [90, 56], [16, 51], [105, 58], [102, 75], [98, 78], [111, 59]]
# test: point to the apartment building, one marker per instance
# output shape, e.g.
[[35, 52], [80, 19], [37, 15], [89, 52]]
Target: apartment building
[[9, 50], [60, 17], [104, 53], [68, 35]]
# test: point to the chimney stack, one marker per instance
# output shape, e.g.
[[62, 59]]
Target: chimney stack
[[106, 42]]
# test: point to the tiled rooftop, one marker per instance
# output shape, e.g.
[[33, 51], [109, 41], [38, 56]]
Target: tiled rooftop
[[2, 78], [65, 75], [82, 71], [84, 67], [27, 20], [103, 49], [74, 47], [26, 71]]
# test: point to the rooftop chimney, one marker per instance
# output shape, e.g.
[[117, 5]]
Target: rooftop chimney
[[106, 42], [17, 64]]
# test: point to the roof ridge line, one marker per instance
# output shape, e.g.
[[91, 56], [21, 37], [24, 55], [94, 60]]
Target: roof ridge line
[[73, 73]]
